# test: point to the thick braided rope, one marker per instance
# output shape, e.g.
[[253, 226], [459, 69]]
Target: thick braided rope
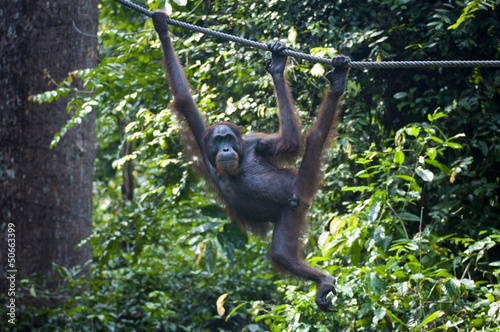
[[299, 55]]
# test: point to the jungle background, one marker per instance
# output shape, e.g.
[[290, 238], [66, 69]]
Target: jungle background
[[408, 218]]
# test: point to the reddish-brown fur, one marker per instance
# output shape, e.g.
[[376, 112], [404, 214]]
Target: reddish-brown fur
[[247, 170]]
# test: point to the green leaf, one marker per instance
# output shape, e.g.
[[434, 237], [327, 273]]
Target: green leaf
[[435, 116], [292, 35], [425, 174], [377, 285], [379, 314], [394, 318], [410, 217], [483, 147], [467, 12], [182, 3], [437, 139], [430, 318], [404, 177], [323, 52], [374, 211], [468, 283], [438, 115], [432, 153], [317, 70], [437, 164], [235, 309], [399, 157], [452, 145], [32, 291], [356, 253], [400, 95], [76, 309]]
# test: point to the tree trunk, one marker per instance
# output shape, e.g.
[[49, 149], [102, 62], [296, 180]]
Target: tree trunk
[[45, 194]]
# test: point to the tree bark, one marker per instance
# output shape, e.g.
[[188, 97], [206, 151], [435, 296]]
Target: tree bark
[[45, 194]]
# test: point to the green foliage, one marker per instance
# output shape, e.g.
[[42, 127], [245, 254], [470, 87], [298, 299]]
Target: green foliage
[[388, 280], [408, 217]]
